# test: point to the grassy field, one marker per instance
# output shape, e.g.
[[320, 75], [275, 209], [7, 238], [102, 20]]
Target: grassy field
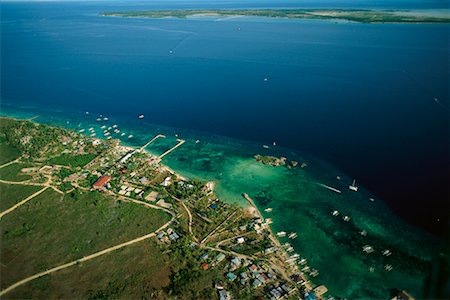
[[52, 229], [11, 194], [72, 160], [129, 273], [13, 172], [8, 153]]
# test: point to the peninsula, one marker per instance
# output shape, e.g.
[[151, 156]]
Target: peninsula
[[361, 16]]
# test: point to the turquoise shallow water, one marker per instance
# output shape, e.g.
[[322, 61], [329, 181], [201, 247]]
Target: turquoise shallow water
[[332, 246]]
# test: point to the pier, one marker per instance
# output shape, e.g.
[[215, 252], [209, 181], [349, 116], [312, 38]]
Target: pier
[[151, 141], [32, 118], [180, 142], [329, 188]]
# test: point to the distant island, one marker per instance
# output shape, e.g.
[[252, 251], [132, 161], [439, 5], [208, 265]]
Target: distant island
[[362, 16]]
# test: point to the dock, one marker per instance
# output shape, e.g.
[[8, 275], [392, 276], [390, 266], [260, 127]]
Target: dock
[[151, 141], [180, 142], [329, 188], [32, 118]]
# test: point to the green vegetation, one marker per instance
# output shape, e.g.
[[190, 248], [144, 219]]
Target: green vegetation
[[53, 229], [11, 194], [71, 160], [7, 152], [13, 172], [271, 160], [363, 16]]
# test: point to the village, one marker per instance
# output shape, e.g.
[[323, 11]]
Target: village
[[232, 245]]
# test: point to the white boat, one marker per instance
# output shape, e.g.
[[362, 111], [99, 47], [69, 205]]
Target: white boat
[[338, 177], [388, 268], [346, 218], [292, 235], [335, 213], [368, 249], [98, 119], [302, 261], [197, 141], [108, 138], [109, 128], [363, 233], [123, 133], [281, 233], [105, 119], [106, 134], [269, 209], [371, 199], [141, 116], [265, 147], [103, 127], [81, 130], [266, 79], [93, 134], [290, 249], [91, 129], [114, 126], [130, 136], [387, 252], [116, 130], [353, 186], [87, 112], [274, 143]]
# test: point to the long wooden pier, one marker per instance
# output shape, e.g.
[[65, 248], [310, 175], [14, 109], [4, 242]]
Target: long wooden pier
[[180, 142], [151, 141]]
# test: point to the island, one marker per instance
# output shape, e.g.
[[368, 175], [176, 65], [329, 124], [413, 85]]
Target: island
[[74, 206], [353, 15]]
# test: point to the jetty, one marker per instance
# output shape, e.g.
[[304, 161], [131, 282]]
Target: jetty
[[329, 188], [32, 118], [180, 142], [151, 141]]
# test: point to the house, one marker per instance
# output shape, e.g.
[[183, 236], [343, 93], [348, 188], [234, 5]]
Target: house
[[224, 295], [205, 266], [174, 236], [240, 240], [231, 276], [220, 257], [252, 268], [204, 256], [236, 262], [96, 142], [101, 182], [166, 182], [256, 283]]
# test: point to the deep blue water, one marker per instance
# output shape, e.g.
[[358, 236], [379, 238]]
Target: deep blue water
[[360, 96]]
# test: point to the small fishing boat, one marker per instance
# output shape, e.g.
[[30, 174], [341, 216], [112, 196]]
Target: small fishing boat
[[130, 136], [141, 116], [292, 235], [353, 186], [281, 233], [269, 209]]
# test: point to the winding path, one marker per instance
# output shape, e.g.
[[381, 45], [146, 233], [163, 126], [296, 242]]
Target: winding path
[[22, 202], [83, 259]]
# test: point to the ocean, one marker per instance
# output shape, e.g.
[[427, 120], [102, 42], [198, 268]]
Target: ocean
[[351, 100]]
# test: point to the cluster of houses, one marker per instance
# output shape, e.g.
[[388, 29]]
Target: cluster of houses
[[167, 236], [126, 190]]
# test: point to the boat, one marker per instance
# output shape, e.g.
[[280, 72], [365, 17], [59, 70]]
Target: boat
[[274, 143], [371, 199], [388, 267], [116, 130], [114, 126], [87, 112], [269, 209], [303, 165], [103, 127], [363, 233], [109, 128], [387, 252], [281, 233], [353, 186], [346, 218], [105, 119], [141, 116], [265, 147], [81, 130], [292, 235], [268, 221], [105, 131], [91, 129], [314, 273], [302, 261], [106, 134], [335, 213], [368, 249], [98, 119], [123, 133], [197, 141], [93, 134], [290, 249], [338, 177], [266, 79], [130, 136], [109, 137]]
